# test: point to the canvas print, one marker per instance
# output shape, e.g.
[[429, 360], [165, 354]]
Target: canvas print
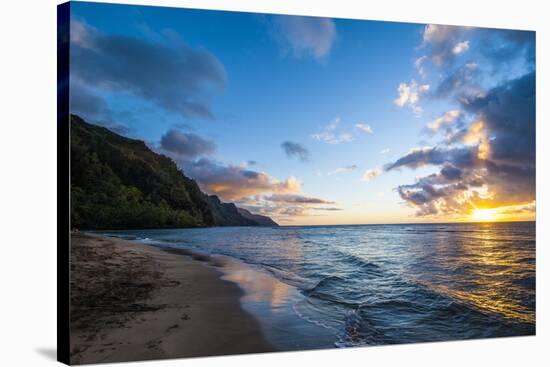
[[245, 183]]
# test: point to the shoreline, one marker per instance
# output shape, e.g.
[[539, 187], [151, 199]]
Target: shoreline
[[133, 301]]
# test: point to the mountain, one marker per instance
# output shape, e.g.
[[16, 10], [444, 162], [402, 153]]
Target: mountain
[[262, 220], [227, 214], [117, 182]]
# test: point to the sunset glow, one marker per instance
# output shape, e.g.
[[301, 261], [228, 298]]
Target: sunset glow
[[483, 215], [314, 130]]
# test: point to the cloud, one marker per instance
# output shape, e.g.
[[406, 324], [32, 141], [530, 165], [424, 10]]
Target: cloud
[[461, 47], [330, 135], [186, 145], [232, 182], [519, 209], [285, 206], [296, 199], [418, 157], [491, 162], [385, 151], [256, 191], [410, 95], [309, 36], [86, 103], [345, 169], [280, 213], [371, 174], [486, 186], [509, 113], [501, 52], [448, 118], [502, 47], [175, 77], [295, 150], [486, 158], [419, 65], [461, 82], [444, 43], [364, 127], [291, 211], [437, 33]]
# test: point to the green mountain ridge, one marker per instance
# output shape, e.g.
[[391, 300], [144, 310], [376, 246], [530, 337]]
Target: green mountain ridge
[[119, 183]]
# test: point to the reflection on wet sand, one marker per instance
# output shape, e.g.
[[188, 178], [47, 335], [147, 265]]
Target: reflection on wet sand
[[258, 285], [273, 303], [313, 287]]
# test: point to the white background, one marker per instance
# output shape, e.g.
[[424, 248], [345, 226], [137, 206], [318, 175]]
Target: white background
[[28, 182]]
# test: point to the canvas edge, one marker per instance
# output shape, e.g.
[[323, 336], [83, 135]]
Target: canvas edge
[[63, 184]]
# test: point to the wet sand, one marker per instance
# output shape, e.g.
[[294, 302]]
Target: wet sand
[[137, 302]]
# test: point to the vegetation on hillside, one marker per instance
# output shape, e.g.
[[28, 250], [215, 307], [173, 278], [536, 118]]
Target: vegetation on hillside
[[117, 182]]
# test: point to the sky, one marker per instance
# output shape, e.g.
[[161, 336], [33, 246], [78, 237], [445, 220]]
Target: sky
[[314, 120]]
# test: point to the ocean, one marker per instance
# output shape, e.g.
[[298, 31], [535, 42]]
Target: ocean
[[382, 284]]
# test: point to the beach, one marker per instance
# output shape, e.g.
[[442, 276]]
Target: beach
[[315, 287], [136, 302], [168, 293]]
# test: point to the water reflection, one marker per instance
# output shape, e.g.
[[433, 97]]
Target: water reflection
[[257, 285], [484, 266], [379, 284]]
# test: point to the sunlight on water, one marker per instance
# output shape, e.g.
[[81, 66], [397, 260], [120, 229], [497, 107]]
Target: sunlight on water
[[492, 262]]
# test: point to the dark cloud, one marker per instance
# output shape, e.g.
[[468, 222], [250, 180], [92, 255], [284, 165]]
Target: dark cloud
[[296, 199], [186, 145], [487, 155], [460, 156], [177, 78], [451, 173], [89, 105], [295, 150], [85, 102], [510, 184], [491, 162], [501, 46], [487, 185], [500, 51], [443, 44], [462, 81], [508, 112], [446, 192]]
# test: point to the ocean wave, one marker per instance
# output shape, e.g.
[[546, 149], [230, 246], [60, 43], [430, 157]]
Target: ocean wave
[[337, 290], [360, 263], [384, 284]]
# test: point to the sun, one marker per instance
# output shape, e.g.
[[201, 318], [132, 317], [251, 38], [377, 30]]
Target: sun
[[483, 215]]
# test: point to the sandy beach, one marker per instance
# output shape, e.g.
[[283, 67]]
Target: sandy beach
[[135, 302]]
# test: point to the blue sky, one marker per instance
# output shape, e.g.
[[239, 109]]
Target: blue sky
[[222, 92]]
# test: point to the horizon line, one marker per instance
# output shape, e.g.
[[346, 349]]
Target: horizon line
[[407, 223]]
